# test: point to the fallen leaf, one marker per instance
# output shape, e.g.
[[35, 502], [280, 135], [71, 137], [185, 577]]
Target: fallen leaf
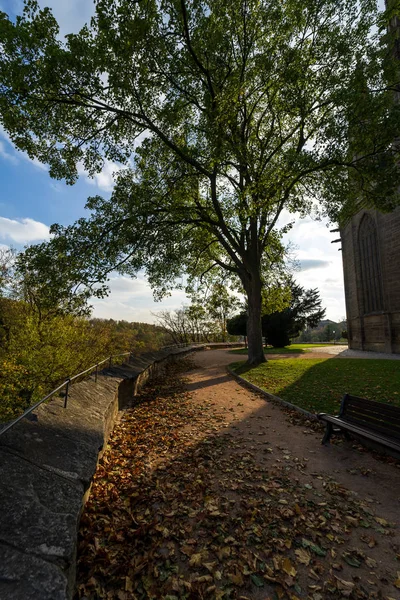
[[345, 587], [258, 581], [303, 556]]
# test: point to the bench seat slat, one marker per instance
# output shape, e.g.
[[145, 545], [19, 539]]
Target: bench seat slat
[[373, 425], [386, 441], [373, 418], [378, 419], [372, 406]]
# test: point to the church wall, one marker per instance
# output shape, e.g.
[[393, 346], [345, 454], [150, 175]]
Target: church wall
[[376, 330]]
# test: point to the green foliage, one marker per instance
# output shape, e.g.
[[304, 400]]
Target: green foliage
[[323, 331], [275, 328], [237, 325], [125, 336], [249, 109], [318, 385], [38, 352], [304, 310]]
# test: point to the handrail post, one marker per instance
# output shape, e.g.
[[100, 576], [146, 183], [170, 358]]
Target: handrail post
[[66, 392], [95, 373]]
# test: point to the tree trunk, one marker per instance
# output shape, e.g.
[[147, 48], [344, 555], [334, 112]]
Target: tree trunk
[[254, 333]]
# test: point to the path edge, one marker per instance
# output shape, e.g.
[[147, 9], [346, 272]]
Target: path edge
[[269, 396]]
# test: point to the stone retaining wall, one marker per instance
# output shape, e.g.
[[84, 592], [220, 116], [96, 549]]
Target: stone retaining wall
[[46, 466]]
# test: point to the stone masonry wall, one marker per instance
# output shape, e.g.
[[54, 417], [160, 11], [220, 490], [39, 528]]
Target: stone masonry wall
[[379, 331], [46, 467]]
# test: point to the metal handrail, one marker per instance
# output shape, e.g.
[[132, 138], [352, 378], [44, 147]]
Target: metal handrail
[[65, 384]]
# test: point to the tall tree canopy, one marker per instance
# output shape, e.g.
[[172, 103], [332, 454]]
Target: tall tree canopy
[[249, 107]]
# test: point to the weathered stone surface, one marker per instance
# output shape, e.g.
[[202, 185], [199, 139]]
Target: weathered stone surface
[[39, 510], [51, 448], [68, 440], [29, 578]]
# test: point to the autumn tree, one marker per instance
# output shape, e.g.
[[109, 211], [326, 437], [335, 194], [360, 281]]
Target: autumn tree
[[248, 107]]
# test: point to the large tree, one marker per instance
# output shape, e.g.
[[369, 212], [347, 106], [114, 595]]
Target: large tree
[[249, 107]]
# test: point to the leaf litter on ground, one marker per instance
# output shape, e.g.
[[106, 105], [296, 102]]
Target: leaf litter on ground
[[180, 509]]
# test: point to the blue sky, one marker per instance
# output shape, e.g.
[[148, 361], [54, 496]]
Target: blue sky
[[30, 201]]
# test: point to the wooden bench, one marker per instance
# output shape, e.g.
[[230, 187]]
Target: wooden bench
[[374, 421]]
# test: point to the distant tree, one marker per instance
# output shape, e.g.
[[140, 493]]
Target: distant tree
[[327, 333], [275, 328], [237, 325], [7, 276], [305, 336], [305, 310], [220, 304]]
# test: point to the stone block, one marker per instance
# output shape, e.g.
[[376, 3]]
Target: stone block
[[39, 510], [27, 577]]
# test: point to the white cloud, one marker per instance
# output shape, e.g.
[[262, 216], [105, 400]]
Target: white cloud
[[132, 300], [12, 154], [313, 241], [105, 179], [306, 264], [7, 155], [23, 231], [71, 15]]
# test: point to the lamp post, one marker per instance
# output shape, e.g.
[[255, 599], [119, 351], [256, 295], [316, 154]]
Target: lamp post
[[333, 337]]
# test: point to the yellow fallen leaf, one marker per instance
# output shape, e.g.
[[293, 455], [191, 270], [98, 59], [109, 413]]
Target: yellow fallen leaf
[[224, 552], [236, 578], [202, 579], [128, 584], [196, 559], [288, 567], [303, 556]]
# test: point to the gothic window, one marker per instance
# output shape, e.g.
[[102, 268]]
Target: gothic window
[[371, 276]]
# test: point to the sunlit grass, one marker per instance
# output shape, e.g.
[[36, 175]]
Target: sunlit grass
[[318, 385]]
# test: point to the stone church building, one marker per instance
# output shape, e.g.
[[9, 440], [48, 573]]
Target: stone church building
[[371, 263]]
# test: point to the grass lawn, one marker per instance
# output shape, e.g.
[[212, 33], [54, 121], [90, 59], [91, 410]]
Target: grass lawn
[[318, 384], [297, 348]]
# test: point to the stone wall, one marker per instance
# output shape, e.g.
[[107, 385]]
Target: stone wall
[[46, 467], [380, 330]]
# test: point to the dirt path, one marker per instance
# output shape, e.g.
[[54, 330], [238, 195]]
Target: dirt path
[[250, 414], [208, 491], [259, 423]]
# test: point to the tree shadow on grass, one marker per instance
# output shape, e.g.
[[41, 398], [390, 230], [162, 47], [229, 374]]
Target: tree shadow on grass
[[318, 385]]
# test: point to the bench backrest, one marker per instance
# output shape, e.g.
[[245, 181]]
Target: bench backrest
[[377, 416]]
